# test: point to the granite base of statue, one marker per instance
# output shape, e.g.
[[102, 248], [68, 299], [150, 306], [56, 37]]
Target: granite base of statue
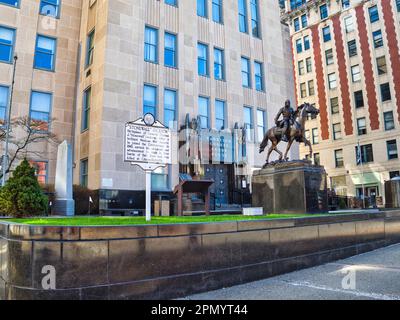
[[293, 187], [64, 204]]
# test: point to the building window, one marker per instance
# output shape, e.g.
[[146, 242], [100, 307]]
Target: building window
[[367, 154], [315, 136], [300, 66], [303, 90], [219, 115], [309, 65], [172, 2], [150, 100], [40, 109], [377, 37], [294, 4], [337, 131], [296, 24], [304, 22], [246, 72], [259, 76], [45, 53], [12, 3], [299, 46], [355, 73], [50, 8], [87, 98], [84, 173], [345, 4], [332, 81], [306, 41], [90, 48], [170, 102], [204, 112], [373, 14], [381, 65], [389, 120], [151, 45], [159, 179], [255, 28], [202, 8], [323, 11], [248, 122], [242, 16], [329, 57], [40, 171], [219, 69], [326, 33], [392, 149], [349, 24], [398, 5], [361, 126], [335, 105], [217, 11], [7, 39], [202, 59], [359, 99], [170, 46], [385, 92], [4, 92], [352, 46], [339, 163], [307, 134], [260, 125], [311, 90]]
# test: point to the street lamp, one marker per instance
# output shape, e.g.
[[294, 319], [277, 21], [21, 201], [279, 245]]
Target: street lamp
[[5, 156]]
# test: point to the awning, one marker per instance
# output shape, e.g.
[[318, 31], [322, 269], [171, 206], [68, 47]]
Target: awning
[[367, 178]]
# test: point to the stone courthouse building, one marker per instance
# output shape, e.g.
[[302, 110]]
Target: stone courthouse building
[[346, 62], [94, 65]]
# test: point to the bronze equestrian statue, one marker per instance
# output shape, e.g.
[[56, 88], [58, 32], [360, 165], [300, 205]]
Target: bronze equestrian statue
[[292, 130]]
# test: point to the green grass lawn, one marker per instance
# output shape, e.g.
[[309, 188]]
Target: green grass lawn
[[117, 221]]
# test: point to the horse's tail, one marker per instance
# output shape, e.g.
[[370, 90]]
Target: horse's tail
[[264, 143]]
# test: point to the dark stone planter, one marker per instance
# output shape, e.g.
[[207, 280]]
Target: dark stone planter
[[169, 261]]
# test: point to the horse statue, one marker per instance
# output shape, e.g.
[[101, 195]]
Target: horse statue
[[296, 133]]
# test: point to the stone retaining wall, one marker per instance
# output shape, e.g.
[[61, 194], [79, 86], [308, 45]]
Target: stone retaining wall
[[169, 261]]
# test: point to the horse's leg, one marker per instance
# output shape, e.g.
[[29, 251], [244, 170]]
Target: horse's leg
[[275, 145], [269, 153], [289, 145], [308, 143]]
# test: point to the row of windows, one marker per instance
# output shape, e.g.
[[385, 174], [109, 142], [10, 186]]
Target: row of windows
[[47, 7], [40, 108], [45, 49], [365, 154], [203, 57], [150, 105]]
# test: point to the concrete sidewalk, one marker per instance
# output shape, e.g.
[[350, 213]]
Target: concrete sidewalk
[[372, 275]]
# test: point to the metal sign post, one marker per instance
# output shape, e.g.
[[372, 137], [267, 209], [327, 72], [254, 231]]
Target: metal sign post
[[147, 145]]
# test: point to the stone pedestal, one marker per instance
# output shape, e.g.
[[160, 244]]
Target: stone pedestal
[[293, 187]]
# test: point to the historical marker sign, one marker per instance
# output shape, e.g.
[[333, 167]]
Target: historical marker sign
[[146, 144]]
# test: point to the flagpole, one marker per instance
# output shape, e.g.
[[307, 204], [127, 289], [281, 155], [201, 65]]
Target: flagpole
[[89, 204]]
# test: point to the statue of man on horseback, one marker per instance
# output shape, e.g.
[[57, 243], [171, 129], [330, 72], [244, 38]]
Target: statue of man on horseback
[[287, 121], [289, 129]]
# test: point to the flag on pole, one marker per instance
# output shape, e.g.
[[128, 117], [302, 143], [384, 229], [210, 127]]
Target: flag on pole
[[90, 199], [359, 155]]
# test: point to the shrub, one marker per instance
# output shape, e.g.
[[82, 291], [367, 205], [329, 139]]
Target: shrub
[[22, 195]]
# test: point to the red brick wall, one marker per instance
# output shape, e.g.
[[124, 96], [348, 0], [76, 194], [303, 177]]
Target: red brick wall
[[343, 78], [319, 72], [368, 68], [393, 47]]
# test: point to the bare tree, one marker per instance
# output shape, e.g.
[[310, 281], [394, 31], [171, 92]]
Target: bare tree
[[24, 133]]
